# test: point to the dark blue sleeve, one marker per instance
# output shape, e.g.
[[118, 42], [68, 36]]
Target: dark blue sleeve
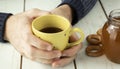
[[3, 18], [79, 8]]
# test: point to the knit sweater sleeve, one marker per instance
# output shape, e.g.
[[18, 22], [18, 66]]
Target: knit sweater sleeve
[[79, 8], [3, 18]]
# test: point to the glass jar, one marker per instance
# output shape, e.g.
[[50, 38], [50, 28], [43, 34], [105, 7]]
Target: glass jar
[[111, 36]]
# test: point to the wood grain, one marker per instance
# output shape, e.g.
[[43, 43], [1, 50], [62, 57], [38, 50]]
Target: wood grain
[[9, 57]]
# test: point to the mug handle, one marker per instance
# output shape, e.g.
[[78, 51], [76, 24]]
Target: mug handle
[[79, 40]]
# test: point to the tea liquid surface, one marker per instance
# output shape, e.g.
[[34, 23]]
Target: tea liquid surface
[[51, 30]]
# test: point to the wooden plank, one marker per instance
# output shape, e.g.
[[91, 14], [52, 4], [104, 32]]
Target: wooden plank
[[44, 5], [110, 5], [9, 57], [28, 64], [13, 6], [90, 24]]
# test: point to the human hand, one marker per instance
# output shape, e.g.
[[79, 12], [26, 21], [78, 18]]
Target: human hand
[[68, 55], [18, 33], [63, 10]]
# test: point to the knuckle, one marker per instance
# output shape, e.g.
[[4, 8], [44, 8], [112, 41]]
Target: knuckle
[[22, 53], [28, 37], [28, 55], [53, 55], [31, 52], [34, 10], [50, 12], [32, 58], [48, 55]]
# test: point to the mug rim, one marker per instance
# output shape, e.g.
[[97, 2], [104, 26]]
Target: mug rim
[[33, 28]]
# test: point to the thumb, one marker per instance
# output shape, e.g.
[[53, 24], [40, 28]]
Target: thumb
[[73, 37], [36, 12]]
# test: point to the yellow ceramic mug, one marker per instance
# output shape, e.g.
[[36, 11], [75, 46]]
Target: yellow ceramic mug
[[56, 30]]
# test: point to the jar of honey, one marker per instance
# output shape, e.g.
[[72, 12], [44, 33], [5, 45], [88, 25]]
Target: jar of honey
[[111, 36]]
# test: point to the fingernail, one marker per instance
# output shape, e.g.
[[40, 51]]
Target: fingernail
[[56, 59], [58, 54], [64, 54], [55, 65], [49, 48]]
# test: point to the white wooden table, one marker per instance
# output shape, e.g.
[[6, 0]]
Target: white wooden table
[[11, 59]]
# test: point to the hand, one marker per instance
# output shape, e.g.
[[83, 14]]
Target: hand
[[64, 11], [18, 33], [68, 55]]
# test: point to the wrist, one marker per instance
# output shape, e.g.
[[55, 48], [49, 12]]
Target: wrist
[[63, 10], [8, 23]]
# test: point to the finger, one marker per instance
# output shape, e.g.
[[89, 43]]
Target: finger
[[73, 37], [47, 54], [72, 51], [36, 12], [45, 61], [38, 43], [62, 62], [37, 53]]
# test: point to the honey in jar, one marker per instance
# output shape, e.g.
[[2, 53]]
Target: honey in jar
[[111, 36]]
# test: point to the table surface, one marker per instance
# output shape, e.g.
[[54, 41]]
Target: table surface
[[11, 59]]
